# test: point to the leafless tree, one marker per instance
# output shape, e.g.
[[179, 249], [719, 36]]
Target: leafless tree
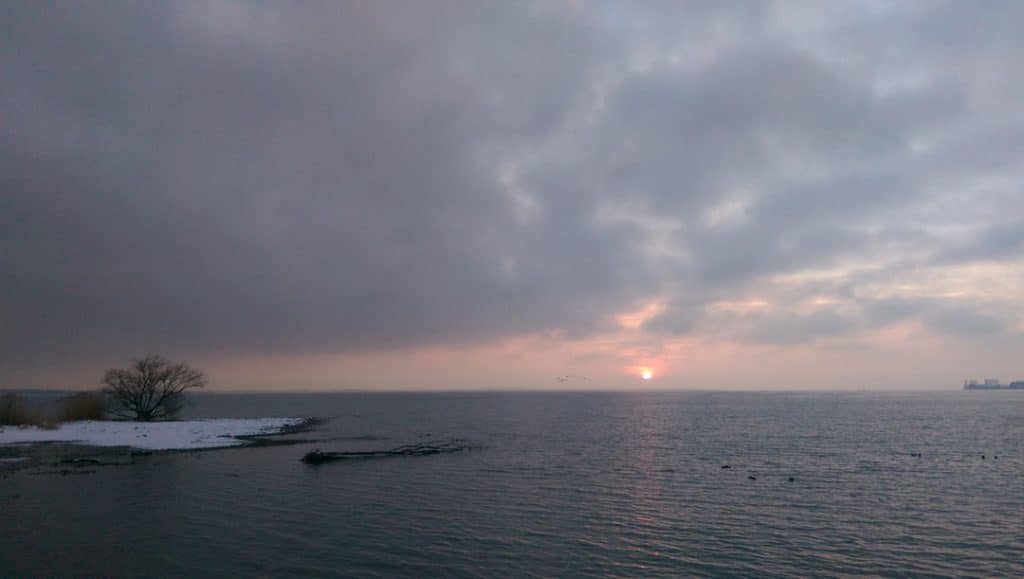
[[151, 388]]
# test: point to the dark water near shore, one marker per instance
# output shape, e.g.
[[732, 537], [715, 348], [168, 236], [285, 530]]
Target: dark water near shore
[[564, 484]]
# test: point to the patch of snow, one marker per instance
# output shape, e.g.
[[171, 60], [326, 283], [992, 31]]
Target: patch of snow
[[183, 435]]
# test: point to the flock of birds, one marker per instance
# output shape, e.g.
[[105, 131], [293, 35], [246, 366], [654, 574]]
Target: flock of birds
[[571, 377], [983, 457], [913, 454], [753, 477]]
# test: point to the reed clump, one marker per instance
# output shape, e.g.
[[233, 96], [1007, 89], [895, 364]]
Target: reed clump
[[83, 406], [14, 411]]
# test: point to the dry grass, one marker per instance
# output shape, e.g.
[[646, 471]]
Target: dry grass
[[15, 412], [82, 406]]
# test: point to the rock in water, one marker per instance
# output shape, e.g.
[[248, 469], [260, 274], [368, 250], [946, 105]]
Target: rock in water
[[422, 449], [314, 457]]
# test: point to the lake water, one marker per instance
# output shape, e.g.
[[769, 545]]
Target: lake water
[[560, 484]]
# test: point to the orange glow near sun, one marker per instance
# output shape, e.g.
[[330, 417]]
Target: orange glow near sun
[[647, 374]]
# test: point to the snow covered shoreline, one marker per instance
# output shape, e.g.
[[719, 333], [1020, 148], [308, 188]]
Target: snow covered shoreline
[[178, 435]]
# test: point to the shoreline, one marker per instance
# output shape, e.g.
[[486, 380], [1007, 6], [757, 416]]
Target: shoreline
[[36, 448]]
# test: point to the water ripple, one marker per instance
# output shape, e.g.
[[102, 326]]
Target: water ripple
[[561, 484]]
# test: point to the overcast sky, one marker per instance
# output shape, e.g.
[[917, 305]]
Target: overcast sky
[[492, 194]]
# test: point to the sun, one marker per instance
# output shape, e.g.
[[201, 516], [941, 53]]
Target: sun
[[646, 374]]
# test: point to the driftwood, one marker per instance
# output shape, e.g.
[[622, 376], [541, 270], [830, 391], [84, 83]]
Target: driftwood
[[420, 449]]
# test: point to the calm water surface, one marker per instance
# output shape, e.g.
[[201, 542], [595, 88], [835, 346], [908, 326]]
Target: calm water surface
[[563, 484]]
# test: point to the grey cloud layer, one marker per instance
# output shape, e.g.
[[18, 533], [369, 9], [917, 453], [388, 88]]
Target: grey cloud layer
[[247, 178]]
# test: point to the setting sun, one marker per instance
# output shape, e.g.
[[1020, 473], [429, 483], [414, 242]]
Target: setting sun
[[646, 374]]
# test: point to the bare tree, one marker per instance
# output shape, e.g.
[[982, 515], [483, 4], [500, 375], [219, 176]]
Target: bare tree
[[151, 388]]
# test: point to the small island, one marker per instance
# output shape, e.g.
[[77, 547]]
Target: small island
[[135, 413]]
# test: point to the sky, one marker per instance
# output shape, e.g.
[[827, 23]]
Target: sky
[[458, 195]]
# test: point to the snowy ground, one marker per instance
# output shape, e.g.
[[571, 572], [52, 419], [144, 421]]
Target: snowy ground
[[184, 435]]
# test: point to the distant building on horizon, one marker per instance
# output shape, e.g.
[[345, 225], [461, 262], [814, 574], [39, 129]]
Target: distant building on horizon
[[993, 384]]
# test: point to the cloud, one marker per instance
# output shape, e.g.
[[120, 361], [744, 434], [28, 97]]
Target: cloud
[[1004, 241], [230, 178], [951, 317]]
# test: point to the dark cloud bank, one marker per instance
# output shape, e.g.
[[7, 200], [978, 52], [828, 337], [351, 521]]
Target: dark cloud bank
[[246, 178]]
